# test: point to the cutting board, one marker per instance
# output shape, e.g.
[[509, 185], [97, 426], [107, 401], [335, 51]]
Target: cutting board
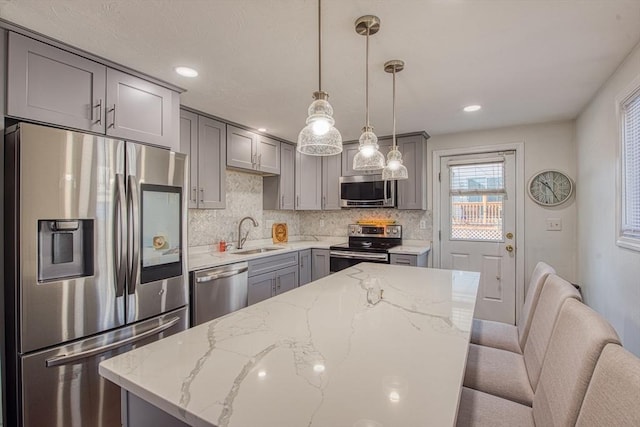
[[280, 233]]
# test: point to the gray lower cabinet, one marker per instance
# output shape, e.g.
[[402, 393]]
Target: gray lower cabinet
[[204, 140], [349, 151], [304, 267], [279, 191], [320, 264], [252, 152], [410, 260], [331, 171], [51, 85], [308, 182], [272, 275], [412, 192]]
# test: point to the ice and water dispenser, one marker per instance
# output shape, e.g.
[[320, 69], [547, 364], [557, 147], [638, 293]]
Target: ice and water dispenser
[[65, 249]]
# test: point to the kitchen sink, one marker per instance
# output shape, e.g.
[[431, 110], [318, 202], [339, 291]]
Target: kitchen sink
[[256, 251]]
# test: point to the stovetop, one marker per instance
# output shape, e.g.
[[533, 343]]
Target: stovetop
[[371, 238]]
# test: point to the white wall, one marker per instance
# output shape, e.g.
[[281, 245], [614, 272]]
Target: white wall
[[546, 146], [610, 275]]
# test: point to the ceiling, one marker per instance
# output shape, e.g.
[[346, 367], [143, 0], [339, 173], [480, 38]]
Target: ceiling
[[526, 61]]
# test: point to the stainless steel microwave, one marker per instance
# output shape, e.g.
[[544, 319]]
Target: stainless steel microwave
[[367, 191]]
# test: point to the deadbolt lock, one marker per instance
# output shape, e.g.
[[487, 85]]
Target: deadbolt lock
[[509, 235]]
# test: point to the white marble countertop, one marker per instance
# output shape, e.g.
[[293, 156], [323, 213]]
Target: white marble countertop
[[207, 257], [319, 355]]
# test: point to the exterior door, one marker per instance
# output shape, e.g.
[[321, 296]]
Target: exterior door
[[478, 217]]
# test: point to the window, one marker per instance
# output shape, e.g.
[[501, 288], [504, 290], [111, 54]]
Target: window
[[629, 230]]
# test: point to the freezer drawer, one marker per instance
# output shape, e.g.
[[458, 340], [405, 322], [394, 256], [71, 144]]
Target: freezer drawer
[[61, 387]]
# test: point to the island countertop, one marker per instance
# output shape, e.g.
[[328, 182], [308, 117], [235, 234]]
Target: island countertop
[[319, 355]]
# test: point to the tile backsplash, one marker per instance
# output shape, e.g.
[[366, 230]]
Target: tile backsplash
[[244, 198]]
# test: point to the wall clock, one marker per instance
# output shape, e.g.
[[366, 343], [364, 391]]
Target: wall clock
[[550, 187]]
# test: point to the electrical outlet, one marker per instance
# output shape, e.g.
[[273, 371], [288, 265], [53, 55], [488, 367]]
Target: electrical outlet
[[554, 224], [321, 223], [423, 225]]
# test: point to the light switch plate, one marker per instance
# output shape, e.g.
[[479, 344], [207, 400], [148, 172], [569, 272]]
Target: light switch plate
[[554, 224]]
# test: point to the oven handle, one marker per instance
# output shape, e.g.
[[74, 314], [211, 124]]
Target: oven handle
[[357, 255]]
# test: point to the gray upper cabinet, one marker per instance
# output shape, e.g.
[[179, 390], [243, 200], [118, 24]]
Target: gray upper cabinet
[[412, 192], [308, 182], [252, 152], [51, 85], [349, 151], [204, 139], [279, 191], [331, 170], [140, 110]]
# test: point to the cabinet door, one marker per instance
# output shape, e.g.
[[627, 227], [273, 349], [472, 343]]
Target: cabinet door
[[268, 151], [412, 191], [286, 279], [331, 169], [241, 148], [212, 154], [348, 153], [189, 146], [308, 182], [140, 110], [261, 287], [50, 85], [305, 267], [319, 263]]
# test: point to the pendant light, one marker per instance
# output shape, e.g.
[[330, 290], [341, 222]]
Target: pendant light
[[394, 169], [368, 157], [319, 137]]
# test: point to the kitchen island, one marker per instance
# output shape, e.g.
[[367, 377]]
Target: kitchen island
[[326, 354]]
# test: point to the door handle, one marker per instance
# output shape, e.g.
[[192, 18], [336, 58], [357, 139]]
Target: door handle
[[119, 236], [64, 359], [134, 233], [509, 248], [224, 275]]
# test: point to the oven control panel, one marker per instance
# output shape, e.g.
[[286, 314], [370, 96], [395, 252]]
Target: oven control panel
[[392, 231]]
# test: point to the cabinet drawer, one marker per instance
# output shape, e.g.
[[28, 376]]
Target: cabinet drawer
[[398, 259], [272, 263]]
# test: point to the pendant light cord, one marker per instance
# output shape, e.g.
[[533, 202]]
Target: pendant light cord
[[319, 45], [394, 107], [367, 79]]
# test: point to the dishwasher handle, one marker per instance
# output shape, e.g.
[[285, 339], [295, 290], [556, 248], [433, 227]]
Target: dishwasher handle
[[214, 276]]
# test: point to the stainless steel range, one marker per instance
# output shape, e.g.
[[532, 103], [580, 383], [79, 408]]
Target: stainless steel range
[[367, 243]]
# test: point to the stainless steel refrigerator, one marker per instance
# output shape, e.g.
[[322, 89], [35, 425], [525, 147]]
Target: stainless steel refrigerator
[[95, 266]]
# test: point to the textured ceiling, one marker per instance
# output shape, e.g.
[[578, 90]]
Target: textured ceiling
[[525, 61]]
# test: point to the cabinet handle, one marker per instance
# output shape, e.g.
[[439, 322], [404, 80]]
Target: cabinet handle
[[278, 283], [113, 110], [259, 160], [195, 194], [297, 201], [324, 202], [253, 161], [202, 195], [282, 202], [99, 107]]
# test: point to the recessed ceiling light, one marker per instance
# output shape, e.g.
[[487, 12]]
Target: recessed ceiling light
[[186, 71], [472, 108], [262, 129]]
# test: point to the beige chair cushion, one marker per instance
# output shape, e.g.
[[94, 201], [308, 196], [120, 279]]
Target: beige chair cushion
[[503, 335], [480, 409], [538, 277], [613, 396], [498, 372], [576, 344], [554, 293], [495, 334]]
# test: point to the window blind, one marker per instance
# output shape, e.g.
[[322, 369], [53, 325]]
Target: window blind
[[477, 179], [631, 167]]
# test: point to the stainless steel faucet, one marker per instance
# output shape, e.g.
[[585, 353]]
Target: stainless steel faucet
[[241, 239]]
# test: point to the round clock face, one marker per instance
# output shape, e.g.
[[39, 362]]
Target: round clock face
[[550, 188]]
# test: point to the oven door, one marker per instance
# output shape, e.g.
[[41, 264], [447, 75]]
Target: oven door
[[339, 260]]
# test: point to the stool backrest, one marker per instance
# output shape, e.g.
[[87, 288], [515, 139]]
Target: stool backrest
[[531, 299]]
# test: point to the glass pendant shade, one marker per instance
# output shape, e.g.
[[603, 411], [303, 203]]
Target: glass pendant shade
[[319, 137], [368, 157], [394, 169]]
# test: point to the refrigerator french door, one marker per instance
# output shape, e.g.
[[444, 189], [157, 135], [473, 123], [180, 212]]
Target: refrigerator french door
[[94, 265]]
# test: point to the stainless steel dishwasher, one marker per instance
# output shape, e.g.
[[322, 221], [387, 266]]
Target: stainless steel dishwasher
[[218, 291]]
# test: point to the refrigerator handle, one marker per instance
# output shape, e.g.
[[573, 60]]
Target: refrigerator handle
[[65, 359], [119, 240], [134, 233]]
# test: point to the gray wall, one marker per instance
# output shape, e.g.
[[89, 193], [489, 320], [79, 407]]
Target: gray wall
[[609, 274]]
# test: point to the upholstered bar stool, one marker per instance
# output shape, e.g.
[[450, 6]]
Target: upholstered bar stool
[[515, 376], [578, 340], [509, 337]]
